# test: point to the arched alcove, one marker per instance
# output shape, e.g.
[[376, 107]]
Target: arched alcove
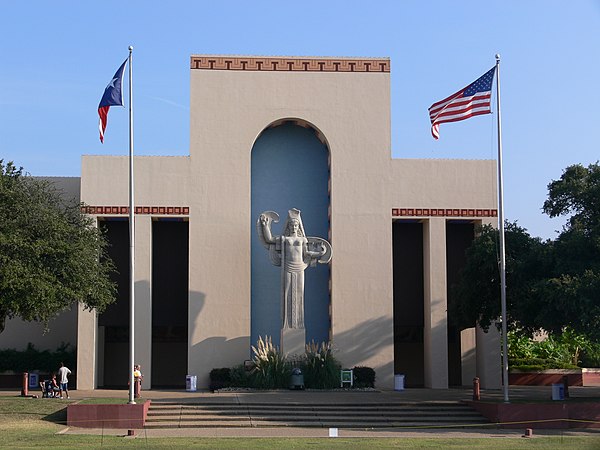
[[289, 169]]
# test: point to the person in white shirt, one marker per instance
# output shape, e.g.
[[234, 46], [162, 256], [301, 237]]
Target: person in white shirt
[[63, 373]]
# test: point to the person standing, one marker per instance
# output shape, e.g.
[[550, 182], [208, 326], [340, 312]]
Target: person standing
[[138, 377], [63, 373]]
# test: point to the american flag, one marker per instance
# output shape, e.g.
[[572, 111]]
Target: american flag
[[473, 100]]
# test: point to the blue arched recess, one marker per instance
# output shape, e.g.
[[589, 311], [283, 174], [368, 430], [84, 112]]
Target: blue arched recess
[[289, 170]]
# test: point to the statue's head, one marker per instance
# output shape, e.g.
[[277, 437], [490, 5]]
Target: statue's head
[[293, 226]]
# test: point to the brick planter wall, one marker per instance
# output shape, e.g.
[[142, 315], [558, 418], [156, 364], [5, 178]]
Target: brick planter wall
[[576, 377], [14, 380], [108, 416], [545, 377], [559, 414]]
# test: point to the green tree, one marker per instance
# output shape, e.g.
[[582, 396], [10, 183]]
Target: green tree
[[550, 285], [577, 192], [477, 296], [572, 292], [51, 255]]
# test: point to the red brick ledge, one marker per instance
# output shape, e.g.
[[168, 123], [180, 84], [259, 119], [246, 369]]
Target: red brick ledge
[[266, 64], [443, 212], [575, 377], [558, 414], [124, 210], [108, 416]]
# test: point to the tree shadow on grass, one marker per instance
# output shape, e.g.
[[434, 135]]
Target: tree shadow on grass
[[58, 417]]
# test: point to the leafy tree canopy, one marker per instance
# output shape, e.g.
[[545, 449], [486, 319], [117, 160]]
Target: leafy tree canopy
[[577, 192], [550, 285], [51, 255], [478, 293], [573, 288]]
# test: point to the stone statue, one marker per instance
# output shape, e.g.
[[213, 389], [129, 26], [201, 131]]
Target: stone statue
[[294, 252]]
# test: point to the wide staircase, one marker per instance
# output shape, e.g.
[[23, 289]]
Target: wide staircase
[[356, 415]]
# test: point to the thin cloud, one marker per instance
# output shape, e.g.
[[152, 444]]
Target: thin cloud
[[169, 102]]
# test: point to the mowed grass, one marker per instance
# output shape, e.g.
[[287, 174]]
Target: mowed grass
[[37, 423]]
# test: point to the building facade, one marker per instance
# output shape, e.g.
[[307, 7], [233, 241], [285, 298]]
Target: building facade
[[275, 134]]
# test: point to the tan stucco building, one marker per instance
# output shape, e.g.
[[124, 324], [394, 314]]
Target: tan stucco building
[[398, 229]]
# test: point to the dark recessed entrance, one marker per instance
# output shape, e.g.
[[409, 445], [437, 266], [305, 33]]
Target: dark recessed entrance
[[407, 238], [113, 324], [170, 249], [459, 236]]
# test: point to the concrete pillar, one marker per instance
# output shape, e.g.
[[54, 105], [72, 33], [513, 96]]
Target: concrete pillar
[[489, 362], [468, 353], [435, 304], [87, 324], [143, 296], [100, 356]]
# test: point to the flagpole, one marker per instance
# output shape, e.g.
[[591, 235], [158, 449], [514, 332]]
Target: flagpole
[[502, 246], [131, 243]]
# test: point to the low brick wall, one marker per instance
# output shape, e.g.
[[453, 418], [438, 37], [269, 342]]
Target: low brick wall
[[108, 416], [576, 377], [14, 380], [591, 377], [546, 377], [559, 414]]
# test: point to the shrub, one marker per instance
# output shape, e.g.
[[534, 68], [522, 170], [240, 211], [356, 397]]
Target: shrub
[[537, 364], [32, 359], [270, 367], [321, 369], [363, 377], [557, 351], [220, 378], [240, 377], [590, 356]]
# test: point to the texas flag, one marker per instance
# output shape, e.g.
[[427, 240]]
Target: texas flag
[[113, 96]]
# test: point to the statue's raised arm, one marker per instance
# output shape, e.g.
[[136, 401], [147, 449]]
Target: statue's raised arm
[[263, 227]]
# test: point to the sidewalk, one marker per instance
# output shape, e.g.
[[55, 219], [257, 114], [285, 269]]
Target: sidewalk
[[291, 432]]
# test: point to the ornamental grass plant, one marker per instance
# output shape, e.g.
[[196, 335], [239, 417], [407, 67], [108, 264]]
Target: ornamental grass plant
[[321, 369], [271, 370]]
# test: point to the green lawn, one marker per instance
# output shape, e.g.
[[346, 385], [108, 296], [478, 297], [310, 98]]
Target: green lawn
[[34, 423]]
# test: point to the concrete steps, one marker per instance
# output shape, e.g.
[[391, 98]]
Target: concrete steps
[[359, 415]]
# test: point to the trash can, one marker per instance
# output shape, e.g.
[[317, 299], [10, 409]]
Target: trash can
[[399, 382], [558, 391], [34, 380], [190, 383], [296, 379]]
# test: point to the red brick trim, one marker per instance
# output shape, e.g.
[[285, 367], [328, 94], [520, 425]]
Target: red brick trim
[[266, 64], [124, 210], [443, 212]]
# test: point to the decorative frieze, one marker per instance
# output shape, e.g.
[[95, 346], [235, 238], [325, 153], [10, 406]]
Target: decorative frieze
[[267, 64], [444, 212], [148, 210]]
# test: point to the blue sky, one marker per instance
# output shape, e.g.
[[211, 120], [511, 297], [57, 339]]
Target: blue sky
[[58, 56]]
